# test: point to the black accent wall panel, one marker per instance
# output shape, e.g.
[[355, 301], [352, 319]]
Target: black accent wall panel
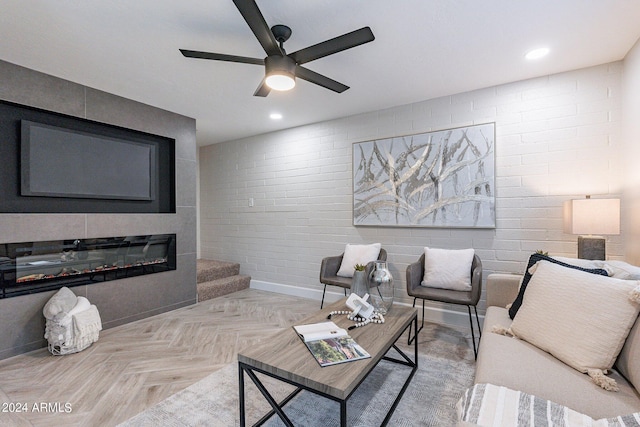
[[11, 200]]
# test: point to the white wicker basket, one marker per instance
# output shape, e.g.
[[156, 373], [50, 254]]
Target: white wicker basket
[[61, 339], [58, 350], [72, 323]]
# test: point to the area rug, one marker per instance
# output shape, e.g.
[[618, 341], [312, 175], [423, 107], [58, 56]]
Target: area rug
[[445, 370]]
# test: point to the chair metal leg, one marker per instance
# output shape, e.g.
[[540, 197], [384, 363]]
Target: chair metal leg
[[323, 292], [415, 336], [473, 337]]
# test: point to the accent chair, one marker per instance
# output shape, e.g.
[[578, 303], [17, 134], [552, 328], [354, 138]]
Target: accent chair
[[329, 269], [415, 276]]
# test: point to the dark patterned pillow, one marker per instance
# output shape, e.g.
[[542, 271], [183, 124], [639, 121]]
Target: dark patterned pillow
[[527, 276]]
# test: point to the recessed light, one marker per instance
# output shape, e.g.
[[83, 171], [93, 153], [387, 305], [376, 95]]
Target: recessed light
[[537, 53], [275, 116]]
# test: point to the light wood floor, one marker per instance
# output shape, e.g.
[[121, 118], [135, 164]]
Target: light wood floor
[[135, 366]]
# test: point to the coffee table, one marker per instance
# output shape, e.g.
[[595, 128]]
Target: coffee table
[[285, 357]]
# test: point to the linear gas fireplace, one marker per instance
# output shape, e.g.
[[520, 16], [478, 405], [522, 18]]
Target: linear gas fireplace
[[32, 267]]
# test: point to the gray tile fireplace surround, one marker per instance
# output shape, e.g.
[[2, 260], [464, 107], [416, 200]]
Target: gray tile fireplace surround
[[118, 301]]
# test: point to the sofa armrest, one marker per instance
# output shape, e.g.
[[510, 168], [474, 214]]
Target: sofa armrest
[[502, 289]]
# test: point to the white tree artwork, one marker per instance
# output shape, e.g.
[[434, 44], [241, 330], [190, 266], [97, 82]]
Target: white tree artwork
[[434, 179]]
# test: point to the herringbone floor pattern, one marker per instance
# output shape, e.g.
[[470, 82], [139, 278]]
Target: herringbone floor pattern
[[135, 366]]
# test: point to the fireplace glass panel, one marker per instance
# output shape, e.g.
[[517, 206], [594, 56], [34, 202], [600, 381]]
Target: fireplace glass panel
[[31, 267]]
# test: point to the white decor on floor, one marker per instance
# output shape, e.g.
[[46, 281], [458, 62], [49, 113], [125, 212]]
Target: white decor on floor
[[73, 323]]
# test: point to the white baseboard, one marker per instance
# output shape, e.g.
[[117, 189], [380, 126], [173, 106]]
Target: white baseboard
[[431, 314]]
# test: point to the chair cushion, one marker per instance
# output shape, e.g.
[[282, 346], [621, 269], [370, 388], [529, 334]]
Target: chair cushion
[[582, 319], [357, 254], [444, 295], [448, 268]]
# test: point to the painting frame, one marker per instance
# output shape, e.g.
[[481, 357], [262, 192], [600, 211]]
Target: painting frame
[[436, 179]]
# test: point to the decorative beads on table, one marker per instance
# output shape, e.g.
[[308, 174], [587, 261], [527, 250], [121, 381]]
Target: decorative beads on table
[[360, 321], [338, 312]]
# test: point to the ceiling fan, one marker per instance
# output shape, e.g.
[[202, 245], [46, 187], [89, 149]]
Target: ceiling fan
[[281, 68]]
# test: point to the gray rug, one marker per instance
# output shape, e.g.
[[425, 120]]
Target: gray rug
[[446, 369]]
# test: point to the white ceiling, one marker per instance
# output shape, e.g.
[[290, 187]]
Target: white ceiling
[[423, 49]]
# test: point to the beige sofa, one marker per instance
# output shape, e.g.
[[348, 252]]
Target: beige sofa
[[518, 365]]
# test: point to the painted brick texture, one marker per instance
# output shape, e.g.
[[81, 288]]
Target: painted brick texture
[[557, 137]]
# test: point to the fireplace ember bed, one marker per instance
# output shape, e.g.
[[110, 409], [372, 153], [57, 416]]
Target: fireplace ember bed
[[31, 267]]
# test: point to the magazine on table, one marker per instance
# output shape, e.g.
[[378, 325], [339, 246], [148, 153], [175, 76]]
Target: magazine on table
[[330, 344]]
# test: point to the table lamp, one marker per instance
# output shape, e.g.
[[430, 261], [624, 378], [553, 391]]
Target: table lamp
[[590, 218]]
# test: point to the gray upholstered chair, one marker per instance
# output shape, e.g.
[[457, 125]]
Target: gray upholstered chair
[[331, 265], [415, 275]]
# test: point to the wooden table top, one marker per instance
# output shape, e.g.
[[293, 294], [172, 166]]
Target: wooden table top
[[286, 356]]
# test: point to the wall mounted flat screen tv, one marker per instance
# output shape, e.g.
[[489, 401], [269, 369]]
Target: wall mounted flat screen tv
[[59, 162]]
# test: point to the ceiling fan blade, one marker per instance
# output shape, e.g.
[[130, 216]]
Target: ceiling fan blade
[[262, 90], [337, 44], [319, 79], [251, 13], [221, 57]]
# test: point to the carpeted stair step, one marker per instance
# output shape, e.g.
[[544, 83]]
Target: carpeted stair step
[[209, 270], [218, 278], [219, 287]]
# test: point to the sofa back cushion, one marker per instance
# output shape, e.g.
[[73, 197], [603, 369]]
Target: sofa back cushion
[[628, 363]]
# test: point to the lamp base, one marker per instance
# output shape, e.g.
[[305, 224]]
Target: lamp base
[[591, 247]]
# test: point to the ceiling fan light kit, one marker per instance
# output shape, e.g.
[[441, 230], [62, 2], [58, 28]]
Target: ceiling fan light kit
[[281, 81], [280, 72], [281, 69]]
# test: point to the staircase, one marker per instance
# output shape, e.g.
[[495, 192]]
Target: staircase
[[218, 278]]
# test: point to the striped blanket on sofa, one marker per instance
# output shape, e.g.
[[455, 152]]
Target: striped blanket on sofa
[[491, 405]]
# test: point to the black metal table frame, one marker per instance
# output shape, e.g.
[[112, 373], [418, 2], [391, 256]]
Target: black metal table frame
[[278, 406]]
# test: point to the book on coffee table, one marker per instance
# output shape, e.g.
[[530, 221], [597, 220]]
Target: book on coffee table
[[330, 344]]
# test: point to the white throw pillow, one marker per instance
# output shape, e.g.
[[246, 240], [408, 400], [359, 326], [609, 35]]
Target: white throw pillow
[[622, 270], [580, 318], [582, 263], [615, 268], [448, 268], [357, 254]]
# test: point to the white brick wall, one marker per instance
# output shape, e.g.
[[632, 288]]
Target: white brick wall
[[557, 137], [631, 141]]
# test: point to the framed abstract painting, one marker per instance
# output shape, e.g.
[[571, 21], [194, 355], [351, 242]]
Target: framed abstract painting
[[443, 179]]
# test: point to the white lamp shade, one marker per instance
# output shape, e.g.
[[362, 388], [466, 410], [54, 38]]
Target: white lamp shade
[[592, 216]]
